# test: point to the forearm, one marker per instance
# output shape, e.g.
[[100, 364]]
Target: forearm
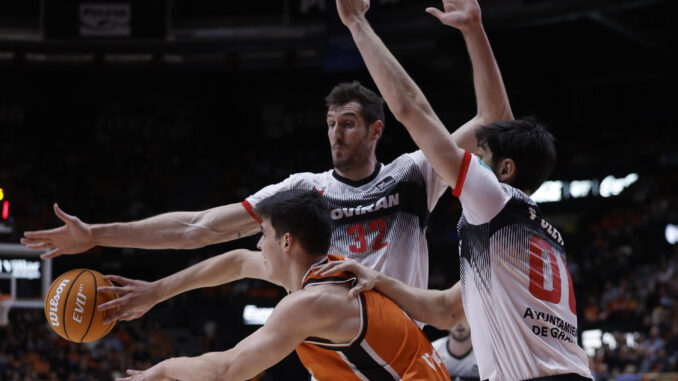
[[401, 93], [427, 306], [407, 102], [209, 366], [178, 230], [491, 97], [224, 268]]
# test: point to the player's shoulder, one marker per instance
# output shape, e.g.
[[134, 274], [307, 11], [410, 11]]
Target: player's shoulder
[[309, 180], [310, 175], [517, 196], [327, 299]]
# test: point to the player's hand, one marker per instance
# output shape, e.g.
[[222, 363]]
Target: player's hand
[[154, 373], [367, 277], [135, 298], [460, 14], [352, 10], [72, 238]]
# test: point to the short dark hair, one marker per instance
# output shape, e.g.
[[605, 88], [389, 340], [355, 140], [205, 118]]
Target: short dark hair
[[371, 104], [528, 143], [303, 213]]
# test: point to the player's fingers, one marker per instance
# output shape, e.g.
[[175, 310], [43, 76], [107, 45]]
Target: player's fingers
[[111, 318], [118, 279], [41, 234], [61, 214], [51, 254], [133, 372], [358, 288], [128, 316], [435, 12], [111, 290], [112, 304], [117, 316], [31, 241], [39, 245], [334, 268]]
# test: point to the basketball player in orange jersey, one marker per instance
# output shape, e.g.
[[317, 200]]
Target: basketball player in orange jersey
[[367, 337], [380, 210], [515, 289]]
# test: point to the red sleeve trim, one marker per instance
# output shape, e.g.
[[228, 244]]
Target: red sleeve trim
[[250, 210], [465, 163]]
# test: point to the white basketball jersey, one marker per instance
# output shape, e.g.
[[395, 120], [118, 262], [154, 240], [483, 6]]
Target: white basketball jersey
[[381, 220], [460, 368], [517, 292]]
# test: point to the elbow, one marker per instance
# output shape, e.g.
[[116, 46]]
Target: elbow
[[449, 311], [443, 321], [495, 114], [408, 107]]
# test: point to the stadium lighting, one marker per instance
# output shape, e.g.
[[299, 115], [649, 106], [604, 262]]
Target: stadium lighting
[[671, 234], [557, 190], [253, 315], [593, 339], [549, 191], [612, 186]]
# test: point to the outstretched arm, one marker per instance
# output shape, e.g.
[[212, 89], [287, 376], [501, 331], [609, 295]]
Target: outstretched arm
[[137, 297], [176, 230], [281, 334], [442, 309], [491, 98]]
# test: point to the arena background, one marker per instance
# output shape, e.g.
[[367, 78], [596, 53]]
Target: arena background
[[190, 105]]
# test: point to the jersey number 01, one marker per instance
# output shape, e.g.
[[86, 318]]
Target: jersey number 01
[[537, 247]]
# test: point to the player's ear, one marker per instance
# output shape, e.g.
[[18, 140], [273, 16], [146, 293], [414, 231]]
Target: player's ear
[[506, 170], [376, 129], [287, 241]]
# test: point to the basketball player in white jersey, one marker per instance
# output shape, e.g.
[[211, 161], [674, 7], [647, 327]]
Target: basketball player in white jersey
[[380, 210], [516, 291], [456, 352]]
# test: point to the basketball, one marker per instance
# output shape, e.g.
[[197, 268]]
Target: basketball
[[71, 306]]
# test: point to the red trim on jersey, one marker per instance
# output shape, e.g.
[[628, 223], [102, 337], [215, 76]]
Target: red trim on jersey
[[250, 210], [465, 163]]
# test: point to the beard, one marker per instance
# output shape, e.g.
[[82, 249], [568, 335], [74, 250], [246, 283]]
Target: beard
[[460, 338], [351, 160]]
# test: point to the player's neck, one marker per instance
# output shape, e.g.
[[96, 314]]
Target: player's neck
[[298, 271], [360, 171], [457, 348]]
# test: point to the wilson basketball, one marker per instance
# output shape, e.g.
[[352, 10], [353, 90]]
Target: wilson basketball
[[71, 306]]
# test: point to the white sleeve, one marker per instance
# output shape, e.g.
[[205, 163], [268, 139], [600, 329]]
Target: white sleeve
[[435, 185], [251, 202], [481, 195]]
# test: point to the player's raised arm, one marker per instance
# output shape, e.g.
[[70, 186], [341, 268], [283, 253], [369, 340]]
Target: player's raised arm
[[491, 98], [402, 95], [281, 334], [175, 230], [136, 297], [440, 308]]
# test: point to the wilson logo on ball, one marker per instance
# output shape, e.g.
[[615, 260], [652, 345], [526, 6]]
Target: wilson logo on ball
[[54, 303], [71, 306]]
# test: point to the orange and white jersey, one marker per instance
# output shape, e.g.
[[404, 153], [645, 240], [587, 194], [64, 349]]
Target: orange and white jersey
[[388, 346]]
